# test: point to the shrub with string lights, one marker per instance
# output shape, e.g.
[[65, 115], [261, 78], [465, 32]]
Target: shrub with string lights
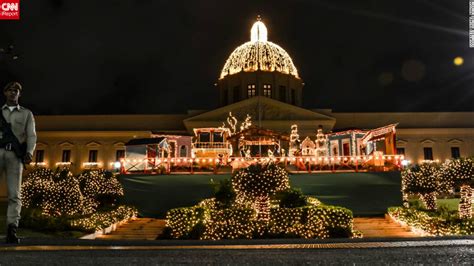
[[311, 222], [422, 180], [185, 222], [101, 220], [100, 187], [426, 224], [55, 193], [236, 211], [460, 173], [257, 184], [36, 187], [60, 194], [229, 223]]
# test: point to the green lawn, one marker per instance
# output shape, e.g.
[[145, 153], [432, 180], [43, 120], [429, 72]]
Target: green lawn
[[452, 204]]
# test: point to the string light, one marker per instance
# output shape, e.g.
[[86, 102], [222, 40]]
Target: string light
[[259, 54], [422, 180], [77, 198], [423, 224], [254, 214], [460, 172]]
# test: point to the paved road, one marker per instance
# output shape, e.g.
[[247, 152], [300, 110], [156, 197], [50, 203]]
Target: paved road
[[424, 255], [434, 251]]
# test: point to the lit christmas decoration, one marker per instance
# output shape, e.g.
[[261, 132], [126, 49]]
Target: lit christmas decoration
[[460, 173], [422, 223], [253, 211], [456, 173], [423, 180], [75, 200], [321, 143], [258, 183], [232, 123], [294, 149], [259, 54]]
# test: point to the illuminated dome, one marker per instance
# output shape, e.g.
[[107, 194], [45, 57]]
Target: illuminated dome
[[259, 54]]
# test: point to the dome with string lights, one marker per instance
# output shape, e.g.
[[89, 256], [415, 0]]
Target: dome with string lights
[[259, 54]]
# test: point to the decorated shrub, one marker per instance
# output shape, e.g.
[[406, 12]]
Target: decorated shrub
[[185, 222], [230, 223], [60, 193], [311, 222], [291, 198], [240, 209], [224, 193], [100, 187], [104, 219], [64, 198], [460, 173], [36, 187], [432, 225], [55, 193], [422, 180], [257, 184]]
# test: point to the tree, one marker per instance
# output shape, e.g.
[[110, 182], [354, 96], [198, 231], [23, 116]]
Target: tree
[[460, 173], [422, 180], [257, 183]]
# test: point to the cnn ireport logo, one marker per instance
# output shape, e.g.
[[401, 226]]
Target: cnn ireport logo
[[10, 9]]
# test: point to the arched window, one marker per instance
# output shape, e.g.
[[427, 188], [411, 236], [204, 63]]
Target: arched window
[[183, 151]]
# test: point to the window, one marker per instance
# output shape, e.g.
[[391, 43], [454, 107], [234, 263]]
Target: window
[[66, 157], [183, 151], [428, 152], [93, 156], [119, 154], [236, 93], [251, 90], [204, 137], [401, 151], [267, 90], [39, 156], [217, 137], [455, 153], [282, 93], [172, 144], [293, 96], [345, 149]]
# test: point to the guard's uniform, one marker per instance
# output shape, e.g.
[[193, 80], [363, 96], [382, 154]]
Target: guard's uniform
[[23, 127]]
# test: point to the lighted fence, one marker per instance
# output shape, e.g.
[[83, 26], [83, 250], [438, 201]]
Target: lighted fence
[[292, 164]]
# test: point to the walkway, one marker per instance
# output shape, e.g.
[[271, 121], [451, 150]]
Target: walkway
[[137, 229], [381, 227]]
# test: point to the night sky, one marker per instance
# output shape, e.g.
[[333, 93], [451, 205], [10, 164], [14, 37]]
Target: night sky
[[144, 56]]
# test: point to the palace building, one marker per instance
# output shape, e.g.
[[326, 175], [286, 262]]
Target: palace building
[[260, 80]]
